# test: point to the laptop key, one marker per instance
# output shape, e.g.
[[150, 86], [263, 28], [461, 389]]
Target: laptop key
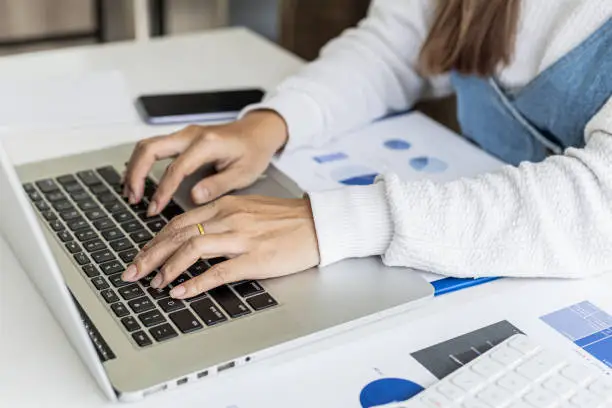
[[47, 186], [42, 206], [99, 283], [94, 245], [69, 215], [34, 196], [142, 304], [109, 174], [145, 218], [198, 268], [262, 301], [80, 195], [109, 296], [215, 261], [64, 236], [103, 223], [152, 318], [131, 226], [123, 216], [141, 236], [73, 188], [113, 206], [130, 292], [55, 196], [170, 305], [87, 205], [249, 288], [49, 215], [81, 258], [141, 338], [119, 309], [77, 224], [108, 268], [146, 281], [116, 281], [104, 255], [182, 278], [121, 244], [228, 300], [172, 210], [90, 270], [62, 205], [56, 225], [130, 323], [156, 225], [158, 293], [95, 214], [163, 332], [73, 247], [88, 178], [85, 235], [109, 200], [29, 188], [208, 312], [99, 189], [66, 179], [112, 234], [185, 321], [129, 255], [140, 207]]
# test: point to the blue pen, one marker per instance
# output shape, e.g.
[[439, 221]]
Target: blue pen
[[448, 285]]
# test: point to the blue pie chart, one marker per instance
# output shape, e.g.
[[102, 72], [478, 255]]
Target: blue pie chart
[[427, 164], [354, 175], [397, 144], [388, 390]]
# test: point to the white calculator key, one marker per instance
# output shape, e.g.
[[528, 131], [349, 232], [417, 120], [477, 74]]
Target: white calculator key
[[559, 385], [434, 399], [450, 391], [577, 373], [487, 367], [541, 398], [603, 388], [474, 403], [520, 404], [513, 382], [494, 395], [586, 399], [540, 365], [506, 356], [523, 344], [467, 380]]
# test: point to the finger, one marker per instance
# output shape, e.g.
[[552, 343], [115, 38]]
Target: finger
[[145, 154], [200, 152], [156, 255], [201, 246], [190, 218], [215, 186], [232, 270]]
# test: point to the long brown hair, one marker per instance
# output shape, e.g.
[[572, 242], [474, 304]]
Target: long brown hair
[[471, 37]]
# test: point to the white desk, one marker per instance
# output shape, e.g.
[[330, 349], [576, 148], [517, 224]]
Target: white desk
[[37, 365]]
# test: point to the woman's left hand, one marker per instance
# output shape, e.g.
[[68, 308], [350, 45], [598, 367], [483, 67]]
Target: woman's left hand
[[262, 237]]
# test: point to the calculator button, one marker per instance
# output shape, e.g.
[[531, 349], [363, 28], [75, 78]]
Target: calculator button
[[435, 399], [586, 399], [523, 344], [577, 374], [494, 396], [487, 367], [513, 382], [474, 403], [602, 387], [450, 391], [539, 365], [506, 356], [467, 380], [559, 385]]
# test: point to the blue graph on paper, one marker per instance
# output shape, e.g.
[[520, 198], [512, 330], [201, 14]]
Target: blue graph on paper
[[331, 157], [397, 144], [354, 175], [428, 164], [387, 390], [587, 326]]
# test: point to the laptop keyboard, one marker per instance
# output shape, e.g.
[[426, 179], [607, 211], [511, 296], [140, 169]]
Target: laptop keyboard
[[103, 234]]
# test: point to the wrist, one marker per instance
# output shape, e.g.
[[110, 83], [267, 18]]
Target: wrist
[[267, 127]]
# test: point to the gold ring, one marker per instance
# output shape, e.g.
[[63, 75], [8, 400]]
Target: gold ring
[[201, 229]]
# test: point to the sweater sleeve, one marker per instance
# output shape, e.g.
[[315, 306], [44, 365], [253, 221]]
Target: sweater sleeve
[[366, 73], [550, 219]]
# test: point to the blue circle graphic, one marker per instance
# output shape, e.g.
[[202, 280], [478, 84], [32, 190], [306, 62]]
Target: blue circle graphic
[[428, 164], [388, 390], [354, 175], [397, 144]]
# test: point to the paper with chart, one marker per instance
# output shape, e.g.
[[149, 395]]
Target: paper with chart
[[412, 146], [64, 102]]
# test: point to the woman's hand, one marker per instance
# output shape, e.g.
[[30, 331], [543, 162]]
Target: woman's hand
[[263, 237], [240, 152]]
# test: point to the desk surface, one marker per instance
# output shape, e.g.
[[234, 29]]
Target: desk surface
[[38, 366]]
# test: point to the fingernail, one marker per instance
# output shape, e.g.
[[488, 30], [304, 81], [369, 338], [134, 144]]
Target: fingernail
[[177, 292], [201, 194], [130, 273], [132, 198], [156, 282], [152, 210]]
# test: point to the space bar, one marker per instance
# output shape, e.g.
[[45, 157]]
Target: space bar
[[228, 300]]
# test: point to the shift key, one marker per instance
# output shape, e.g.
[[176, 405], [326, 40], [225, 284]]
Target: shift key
[[208, 312], [228, 300]]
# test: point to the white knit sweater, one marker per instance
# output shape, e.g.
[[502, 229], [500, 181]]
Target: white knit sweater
[[548, 219]]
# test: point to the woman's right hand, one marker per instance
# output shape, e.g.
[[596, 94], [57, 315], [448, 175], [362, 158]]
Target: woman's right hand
[[240, 152]]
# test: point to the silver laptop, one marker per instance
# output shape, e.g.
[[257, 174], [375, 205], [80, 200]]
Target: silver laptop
[[74, 235]]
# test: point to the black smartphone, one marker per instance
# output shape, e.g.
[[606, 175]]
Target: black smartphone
[[196, 107]]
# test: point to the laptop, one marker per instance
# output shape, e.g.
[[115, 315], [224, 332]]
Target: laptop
[[74, 235]]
